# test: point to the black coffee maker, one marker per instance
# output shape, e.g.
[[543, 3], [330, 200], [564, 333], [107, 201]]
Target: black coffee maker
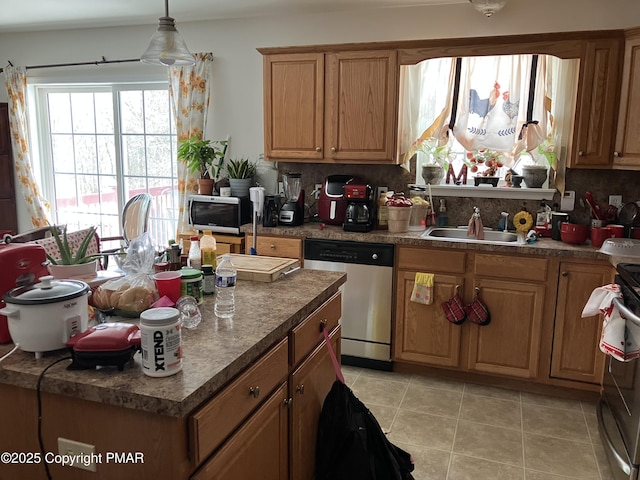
[[360, 213], [270, 211]]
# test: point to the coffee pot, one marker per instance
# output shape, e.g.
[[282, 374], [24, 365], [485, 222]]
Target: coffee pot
[[360, 212]]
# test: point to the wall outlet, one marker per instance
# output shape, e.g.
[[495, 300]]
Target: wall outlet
[[568, 201], [317, 190], [281, 189], [381, 190], [615, 200], [77, 454]]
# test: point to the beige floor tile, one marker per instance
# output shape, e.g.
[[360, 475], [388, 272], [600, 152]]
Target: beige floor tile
[[560, 457], [589, 407], [493, 392], [350, 374], [603, 462], [419, 398], [469, 468], [488, 442], [592, 426], [555, 422], [424, 430], [439, 383], [549, 401], [379, 392], [382, 375], [491, 411], [533, 475], [430, 464], [384, 415]]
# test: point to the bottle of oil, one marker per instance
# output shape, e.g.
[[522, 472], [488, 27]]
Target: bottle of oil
[[208, 249], [383, 213]]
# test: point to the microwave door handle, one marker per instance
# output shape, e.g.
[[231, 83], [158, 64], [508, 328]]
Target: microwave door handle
[[626, 313]]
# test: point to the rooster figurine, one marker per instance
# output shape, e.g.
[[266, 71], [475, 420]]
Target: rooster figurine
[[482, 106], [508, 107]]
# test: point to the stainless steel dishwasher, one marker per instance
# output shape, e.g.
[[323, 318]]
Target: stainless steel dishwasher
[[366, 296]]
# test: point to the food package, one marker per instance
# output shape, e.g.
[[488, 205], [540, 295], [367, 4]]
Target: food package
[[135, 291]]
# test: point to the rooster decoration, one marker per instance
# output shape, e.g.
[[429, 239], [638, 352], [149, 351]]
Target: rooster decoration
[[482, 106], [508, 107]]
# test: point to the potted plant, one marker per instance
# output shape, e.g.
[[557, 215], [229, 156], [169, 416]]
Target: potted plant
[[72, 263], [240, 172], [438, 159], [204, 157]]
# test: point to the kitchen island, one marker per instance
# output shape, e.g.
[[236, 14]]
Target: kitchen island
[[130, 412]]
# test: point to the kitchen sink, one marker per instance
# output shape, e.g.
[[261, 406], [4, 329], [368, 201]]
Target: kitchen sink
[[460, 234]]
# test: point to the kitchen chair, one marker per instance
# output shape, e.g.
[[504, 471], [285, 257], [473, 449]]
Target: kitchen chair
[[34, 234], [135, 222]]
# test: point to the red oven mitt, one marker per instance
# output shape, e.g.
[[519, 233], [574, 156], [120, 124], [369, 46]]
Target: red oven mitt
[[454, 310], [478, 312]]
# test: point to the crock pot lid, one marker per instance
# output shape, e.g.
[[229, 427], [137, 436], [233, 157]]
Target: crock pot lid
[[47, 291]]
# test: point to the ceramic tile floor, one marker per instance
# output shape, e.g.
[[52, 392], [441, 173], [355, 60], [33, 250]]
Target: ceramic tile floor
[[461, 431]]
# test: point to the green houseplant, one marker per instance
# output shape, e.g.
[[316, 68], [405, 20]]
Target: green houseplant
[[72, 263], [240, 172], [204, 157]]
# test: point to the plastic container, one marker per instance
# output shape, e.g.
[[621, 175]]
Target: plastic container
[[194, 259], [191, 283], [208, 280], [399, 219], [208, 249], [418, 217], [161, 342], [226, 275]]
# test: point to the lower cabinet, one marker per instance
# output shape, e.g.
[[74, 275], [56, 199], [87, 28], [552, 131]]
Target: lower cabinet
[[576, 355], [273, 246]]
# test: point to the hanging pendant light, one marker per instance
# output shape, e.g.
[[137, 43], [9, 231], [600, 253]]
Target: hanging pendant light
[[488, 7], [167, 46]]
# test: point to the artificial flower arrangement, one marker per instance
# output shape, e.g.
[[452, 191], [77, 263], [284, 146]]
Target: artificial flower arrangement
[[440, 155], [491, 160]]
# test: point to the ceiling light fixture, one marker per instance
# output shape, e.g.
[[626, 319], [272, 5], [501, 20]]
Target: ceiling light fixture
[[488, 7], [167, 46]]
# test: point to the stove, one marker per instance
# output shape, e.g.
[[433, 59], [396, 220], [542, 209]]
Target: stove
[[619, 406]]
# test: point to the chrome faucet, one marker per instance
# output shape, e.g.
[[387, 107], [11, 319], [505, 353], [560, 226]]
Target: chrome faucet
[[504, 221]]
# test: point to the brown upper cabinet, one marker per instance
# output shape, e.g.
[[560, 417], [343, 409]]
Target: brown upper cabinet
[[331, 107], [339, 103], [627, 151]]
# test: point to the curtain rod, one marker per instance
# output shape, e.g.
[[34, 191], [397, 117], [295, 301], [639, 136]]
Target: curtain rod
[[97, 62]]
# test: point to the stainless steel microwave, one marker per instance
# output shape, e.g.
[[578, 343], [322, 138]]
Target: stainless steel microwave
[[219, 214]]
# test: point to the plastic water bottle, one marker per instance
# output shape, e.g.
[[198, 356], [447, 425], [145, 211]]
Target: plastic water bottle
[[226, 274]]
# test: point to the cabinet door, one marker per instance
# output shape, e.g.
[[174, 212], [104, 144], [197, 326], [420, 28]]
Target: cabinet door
[[627, 153], [361, 106], [8, 215], [597, 104], [509, 345], [575, 354], [294, 106], [258, 449], [422, 332], [309, 385]]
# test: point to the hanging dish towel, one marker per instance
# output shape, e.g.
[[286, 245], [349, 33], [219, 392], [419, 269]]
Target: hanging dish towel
[[475, 228], [423, 288], [619, 339]]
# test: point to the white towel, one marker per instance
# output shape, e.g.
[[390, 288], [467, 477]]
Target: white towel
[[618, 339]]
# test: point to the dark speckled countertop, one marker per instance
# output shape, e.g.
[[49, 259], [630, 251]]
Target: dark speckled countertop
[[214, 352], [542, 247]]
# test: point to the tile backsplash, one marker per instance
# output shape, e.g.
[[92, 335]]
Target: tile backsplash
[[601, 183]]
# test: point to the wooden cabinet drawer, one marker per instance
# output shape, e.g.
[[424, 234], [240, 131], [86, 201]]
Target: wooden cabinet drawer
[[510, 266], [209, 427], [431, 260], [308, 334], [276, 246]]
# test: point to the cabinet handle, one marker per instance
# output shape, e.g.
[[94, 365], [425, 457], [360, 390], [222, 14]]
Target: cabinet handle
[[477, 290], [616, 154], [272, 246], [318, 149], [565, 274], [333, 149], [254, 392], [287, 402], [323, 324], [300, 389], [581, 153]]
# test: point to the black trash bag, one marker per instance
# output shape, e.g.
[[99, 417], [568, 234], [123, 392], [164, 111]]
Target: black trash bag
[[352, 446]]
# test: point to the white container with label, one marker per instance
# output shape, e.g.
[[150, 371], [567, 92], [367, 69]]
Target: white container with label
[[161, 341]]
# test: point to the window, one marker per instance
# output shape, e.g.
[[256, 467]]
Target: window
[[99, 145]]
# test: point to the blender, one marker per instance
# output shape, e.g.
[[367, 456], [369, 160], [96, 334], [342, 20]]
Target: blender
[[292, 212]]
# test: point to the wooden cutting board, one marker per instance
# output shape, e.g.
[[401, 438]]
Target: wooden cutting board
[[260, 268]]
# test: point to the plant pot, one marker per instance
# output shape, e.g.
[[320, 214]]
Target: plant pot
[[534, 175], [240, 186], [481, 180], [205, 186], [70, 271], [432, 174]]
